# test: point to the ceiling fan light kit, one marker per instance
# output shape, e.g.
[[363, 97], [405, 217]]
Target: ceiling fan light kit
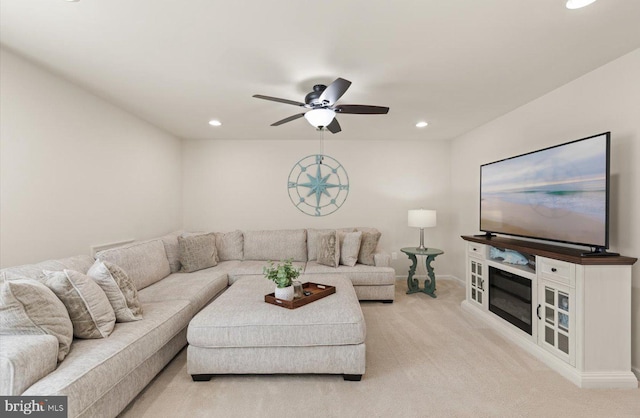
[[322, 108], [320, 117]]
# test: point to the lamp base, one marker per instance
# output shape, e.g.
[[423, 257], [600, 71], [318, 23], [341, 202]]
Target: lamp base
[[421, 247]]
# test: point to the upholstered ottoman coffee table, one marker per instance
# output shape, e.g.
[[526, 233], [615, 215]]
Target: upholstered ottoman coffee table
[[239, 333]]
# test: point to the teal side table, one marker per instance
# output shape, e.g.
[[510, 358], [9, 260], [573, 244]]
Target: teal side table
[[430, 283]]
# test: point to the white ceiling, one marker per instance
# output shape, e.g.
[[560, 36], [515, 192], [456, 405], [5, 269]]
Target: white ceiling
[[455, 63]]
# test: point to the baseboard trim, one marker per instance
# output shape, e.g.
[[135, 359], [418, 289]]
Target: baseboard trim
[[590, 380], [636, 371]]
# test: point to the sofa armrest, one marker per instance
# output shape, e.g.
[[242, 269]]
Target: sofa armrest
[[381, 259], [25, 359]]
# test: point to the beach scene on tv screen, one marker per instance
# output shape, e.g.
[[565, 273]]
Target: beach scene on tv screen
[[557, 194]]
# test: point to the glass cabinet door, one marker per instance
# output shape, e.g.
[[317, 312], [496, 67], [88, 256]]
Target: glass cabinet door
[[556, 317], [477, 282]]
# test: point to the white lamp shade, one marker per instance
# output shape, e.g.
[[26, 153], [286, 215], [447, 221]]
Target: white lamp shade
[[422, 218], [320, 117]]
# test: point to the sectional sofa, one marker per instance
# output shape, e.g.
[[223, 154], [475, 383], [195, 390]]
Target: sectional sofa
[[102, 376]]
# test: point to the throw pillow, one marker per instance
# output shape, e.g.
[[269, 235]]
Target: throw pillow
[[170, 242], [198, 252], [120, 290], [328, 249], [349, 247], [368, 247], [89, 309], [28, 307]]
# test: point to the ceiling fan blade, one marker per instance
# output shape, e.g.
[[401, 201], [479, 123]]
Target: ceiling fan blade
[[334, 126], [334, 91], [289, 119], [279, 100], [362, 109]]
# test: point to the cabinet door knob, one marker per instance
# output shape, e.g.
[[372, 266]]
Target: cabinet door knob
[[538, 312], [553, 269]]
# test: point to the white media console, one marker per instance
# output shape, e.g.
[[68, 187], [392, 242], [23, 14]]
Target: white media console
[[571, 312]]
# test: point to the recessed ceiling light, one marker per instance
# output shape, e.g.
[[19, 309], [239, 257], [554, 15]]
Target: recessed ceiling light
[[214, 122], [421, 124], [576, 4], [73, 1]]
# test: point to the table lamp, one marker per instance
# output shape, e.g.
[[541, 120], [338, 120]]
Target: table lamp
[[422, 218]]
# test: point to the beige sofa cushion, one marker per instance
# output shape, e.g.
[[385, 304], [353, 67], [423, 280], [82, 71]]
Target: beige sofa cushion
[[28, 307], [277, 245], [360, 274], [198, 287], [79, 263], [94, 368], [197, 252], [368, 246], [254, 270], [328, 248], [312, 242], [230, 245], [120, 290], [144, 262], [349, 247], [89, 309], [25, 359]]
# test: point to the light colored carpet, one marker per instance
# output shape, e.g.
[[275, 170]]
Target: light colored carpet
[[425, 358]]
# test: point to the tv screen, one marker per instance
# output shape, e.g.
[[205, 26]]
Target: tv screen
[[559, 193]]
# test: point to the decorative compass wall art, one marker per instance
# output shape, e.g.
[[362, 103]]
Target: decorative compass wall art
[[318, 185]]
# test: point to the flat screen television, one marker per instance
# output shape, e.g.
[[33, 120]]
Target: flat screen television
[[557, 194]]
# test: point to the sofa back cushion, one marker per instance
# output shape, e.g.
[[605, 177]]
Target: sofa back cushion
[[144, 262], [276, 245], [230, 245], [79, 263]]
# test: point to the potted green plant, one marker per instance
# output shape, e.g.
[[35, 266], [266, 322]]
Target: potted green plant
[[283, 276]]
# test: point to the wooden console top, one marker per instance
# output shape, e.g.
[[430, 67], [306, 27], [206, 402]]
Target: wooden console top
[[571, 255]]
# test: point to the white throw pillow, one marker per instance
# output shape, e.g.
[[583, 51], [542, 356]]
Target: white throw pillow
[[28, 307], [349, 247], [120, 290], [89, 309]]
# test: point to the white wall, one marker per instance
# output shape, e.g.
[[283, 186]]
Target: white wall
[[607, 99], [76, 170], [243, 185]]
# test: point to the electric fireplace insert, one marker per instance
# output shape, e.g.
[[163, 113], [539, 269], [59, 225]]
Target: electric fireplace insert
[[510, 298]]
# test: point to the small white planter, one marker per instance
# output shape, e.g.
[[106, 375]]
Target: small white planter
[[284, 293]]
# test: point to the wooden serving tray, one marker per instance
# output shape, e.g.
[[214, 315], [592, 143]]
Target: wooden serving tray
[[318, 291]]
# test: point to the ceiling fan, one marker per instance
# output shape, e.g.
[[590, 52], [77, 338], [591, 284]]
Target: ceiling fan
[[321, 103]]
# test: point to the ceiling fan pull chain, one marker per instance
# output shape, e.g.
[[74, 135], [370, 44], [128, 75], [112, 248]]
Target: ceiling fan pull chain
[[321, 144]]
